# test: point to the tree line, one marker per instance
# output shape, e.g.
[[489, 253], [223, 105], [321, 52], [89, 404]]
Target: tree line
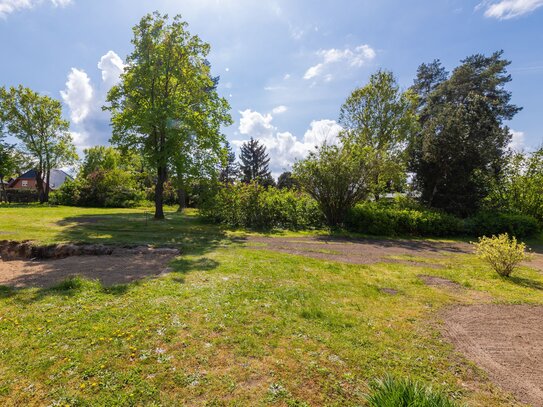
[[443, 140]]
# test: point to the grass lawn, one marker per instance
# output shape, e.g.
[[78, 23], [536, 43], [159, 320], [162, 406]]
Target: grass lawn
[[232, 325]]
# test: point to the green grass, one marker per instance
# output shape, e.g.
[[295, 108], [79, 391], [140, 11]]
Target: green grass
[[392, 392], [232, 325]]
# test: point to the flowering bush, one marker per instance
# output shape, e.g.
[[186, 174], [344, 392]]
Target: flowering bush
[[502, 253]]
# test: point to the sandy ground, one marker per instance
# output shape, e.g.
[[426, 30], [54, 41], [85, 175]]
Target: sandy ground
[[357, 251], [118, 268], [506, 341]]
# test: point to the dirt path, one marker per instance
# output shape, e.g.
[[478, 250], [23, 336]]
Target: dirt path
[[506, 341], [118, 268], [357, 251]]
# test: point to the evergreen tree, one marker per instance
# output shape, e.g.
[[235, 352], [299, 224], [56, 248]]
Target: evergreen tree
[[286, 180], [254, 163], [229, 171], [463, 141]]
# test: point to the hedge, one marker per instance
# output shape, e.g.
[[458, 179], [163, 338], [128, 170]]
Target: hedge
[[374, 219]]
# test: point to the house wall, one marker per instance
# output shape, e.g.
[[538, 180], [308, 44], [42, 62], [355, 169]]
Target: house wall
[[30, 184]]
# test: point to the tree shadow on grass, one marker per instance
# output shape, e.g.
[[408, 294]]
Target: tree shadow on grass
[[186, 232], [117, 275], [525, 282]]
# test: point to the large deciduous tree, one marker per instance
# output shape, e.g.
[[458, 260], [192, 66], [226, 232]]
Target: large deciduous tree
[[255, 163], [36, 120], [381, 118], [463, 139], [166, 99]]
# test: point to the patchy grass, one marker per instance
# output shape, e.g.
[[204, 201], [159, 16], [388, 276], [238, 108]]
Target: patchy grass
[[232, 325]]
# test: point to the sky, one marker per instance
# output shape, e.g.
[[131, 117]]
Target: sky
[[286, 67]]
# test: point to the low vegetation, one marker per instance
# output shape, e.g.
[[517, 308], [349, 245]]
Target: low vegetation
[[253, 206], [231, 324], [392, 392], [502, 253]]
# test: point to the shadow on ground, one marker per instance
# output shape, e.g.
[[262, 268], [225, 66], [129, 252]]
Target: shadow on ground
[[115, 273]]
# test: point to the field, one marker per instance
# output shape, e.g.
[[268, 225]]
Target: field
[[246, 319]]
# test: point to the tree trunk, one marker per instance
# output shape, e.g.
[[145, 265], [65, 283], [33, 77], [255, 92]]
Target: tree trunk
[[4, 196], [159, 193], [39, 186], [47, 187], [181, 197]]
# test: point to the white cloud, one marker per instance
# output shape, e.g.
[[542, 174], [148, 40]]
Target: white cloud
[[355, 58], [283, 147], [279, 109], [11, 6], [507, 9], [322, 131], [90, 125], [286, 77], [517, 141], [78, 94], [112, 67], [255, 124]]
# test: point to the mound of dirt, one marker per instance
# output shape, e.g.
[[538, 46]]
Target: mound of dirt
[[504, 340]]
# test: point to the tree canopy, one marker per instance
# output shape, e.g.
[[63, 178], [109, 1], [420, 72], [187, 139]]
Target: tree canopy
[[255, 163], [380, 117], [337, 177], [463, 140], [36, 121], [166, 104]]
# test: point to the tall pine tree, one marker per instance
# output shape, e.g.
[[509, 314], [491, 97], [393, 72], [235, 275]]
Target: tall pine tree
[[254, 163], [463, 138]]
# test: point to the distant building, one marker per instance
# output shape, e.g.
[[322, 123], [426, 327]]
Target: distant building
[[28, 180]]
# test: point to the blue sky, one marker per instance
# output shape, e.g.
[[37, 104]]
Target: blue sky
[[285, 66]]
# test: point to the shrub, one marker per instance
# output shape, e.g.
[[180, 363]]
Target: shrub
[[502, 253], [253, 206], [493, 223], [112, 188], [22, 195], [391, 392], [389, 220]]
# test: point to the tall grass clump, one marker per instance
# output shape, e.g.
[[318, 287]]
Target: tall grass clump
[[393, 392]]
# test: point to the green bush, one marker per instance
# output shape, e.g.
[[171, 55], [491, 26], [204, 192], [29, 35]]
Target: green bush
[[390, 220], [112, 189], [22, 195], [253, 206], [502, 253], [495, 223], [390, 392]]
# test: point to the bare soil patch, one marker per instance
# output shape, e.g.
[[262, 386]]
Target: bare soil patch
[[504, 340], [358, 251], [123, 265], [436, 281]]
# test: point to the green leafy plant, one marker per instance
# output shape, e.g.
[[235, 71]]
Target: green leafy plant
[[254, 206], [486, 223], [502, 253], [393, 392], [379, 219]]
